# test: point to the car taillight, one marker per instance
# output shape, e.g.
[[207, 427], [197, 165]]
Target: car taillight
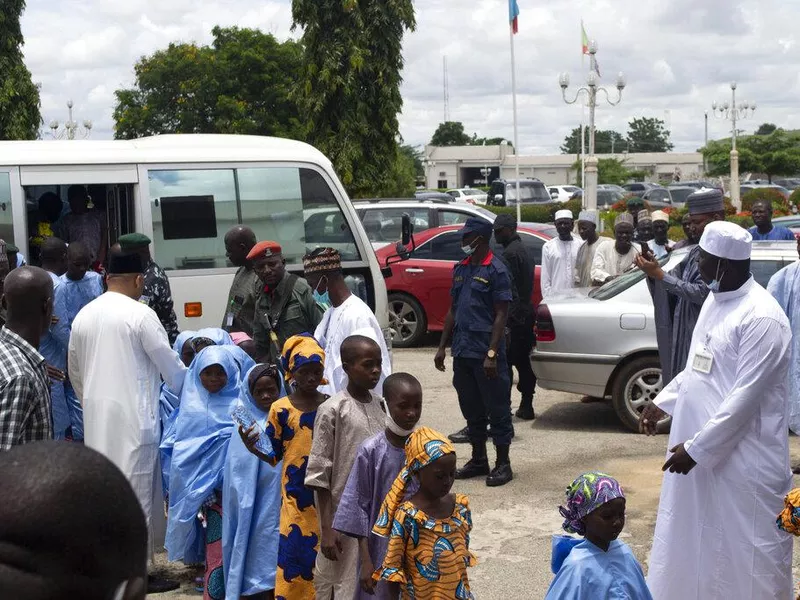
[[544, 329]]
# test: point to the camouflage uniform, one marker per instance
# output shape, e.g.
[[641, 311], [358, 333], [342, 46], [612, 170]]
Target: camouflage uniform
[[158, 296], [241, 308], [300, 314]]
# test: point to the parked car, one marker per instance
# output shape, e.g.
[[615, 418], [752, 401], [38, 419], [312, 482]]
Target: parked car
[[604, 344], [562, 193], [657, 197], [503, 192], [612, 187], [469, 195], [429, 195], [792, 222], [606, 198], [695, 184], [790, 184], [679, 194], [746, 187], [419, 288], [638, 188]]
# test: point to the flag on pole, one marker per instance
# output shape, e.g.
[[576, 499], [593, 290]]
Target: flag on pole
[[584, 39], [513, 15]]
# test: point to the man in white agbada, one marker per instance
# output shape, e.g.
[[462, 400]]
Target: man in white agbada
[[728, 457], [118, 350], [348, 315], [660, 242], [587, 229], [614, 257], [785, 288], [559, 256]]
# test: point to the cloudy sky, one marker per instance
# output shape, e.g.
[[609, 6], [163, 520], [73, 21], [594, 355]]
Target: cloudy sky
[[678, 56]]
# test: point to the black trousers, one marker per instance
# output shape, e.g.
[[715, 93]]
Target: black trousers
[[484, 401], [521, 341]]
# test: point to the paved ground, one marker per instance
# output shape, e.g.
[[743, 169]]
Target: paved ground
[[513, 524]]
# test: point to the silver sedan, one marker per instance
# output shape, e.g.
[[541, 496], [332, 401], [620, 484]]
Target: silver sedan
[[604, 344]]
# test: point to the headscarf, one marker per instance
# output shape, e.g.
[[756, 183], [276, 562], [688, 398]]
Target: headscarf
[[587, 493], [203, 429], [220, 337], [239, 336], [251, 502], [789, 519], [423, 447], [301, 350]]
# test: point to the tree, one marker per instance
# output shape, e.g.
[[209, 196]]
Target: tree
[[238, 84], [648, 135], [450, 133], [20, 117], [349, 86], [493, 141], [775, 154], [605, 141], [609, 171], [766, 128]]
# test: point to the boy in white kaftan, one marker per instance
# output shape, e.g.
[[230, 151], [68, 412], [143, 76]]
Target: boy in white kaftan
[[559, 257], [715, 534]]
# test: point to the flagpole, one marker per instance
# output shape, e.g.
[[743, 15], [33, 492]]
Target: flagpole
[[514, 108]]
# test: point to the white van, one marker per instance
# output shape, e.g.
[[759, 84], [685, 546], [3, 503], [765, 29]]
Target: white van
[[184, 192]]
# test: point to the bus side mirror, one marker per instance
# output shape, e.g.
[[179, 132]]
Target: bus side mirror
[[402, 251], [407, 229]]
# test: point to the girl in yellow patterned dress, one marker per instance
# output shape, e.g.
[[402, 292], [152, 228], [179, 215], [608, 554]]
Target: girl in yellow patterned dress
[[290, 426], [428, 552]]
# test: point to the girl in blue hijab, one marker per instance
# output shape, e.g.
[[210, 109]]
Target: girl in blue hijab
[[252, 497], [203, 429]]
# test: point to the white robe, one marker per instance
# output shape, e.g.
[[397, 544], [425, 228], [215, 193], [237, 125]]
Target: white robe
[[610, 263], [558, 265], [659, 251], [117, 350], [353, 317], [715, 534]]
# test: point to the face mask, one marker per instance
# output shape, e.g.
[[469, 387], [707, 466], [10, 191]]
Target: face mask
[[323, 300], [469, 250], [395, 428], [714, 285]]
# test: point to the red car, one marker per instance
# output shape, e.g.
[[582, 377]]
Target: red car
[[419, 288]]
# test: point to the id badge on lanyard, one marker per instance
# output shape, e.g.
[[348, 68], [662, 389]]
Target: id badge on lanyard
[[703, 361]]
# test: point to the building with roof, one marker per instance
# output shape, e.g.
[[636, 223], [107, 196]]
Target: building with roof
[[468, 166]]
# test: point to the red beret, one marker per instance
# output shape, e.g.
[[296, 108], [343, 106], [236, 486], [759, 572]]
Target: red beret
[[264, 250]]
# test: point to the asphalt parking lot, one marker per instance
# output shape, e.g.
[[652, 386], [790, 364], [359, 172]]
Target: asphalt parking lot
[[513, 524]]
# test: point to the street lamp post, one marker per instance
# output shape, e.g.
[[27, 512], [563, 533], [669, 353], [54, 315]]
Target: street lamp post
[[71, 127], [733, 112], [590, 91], [428, 164]]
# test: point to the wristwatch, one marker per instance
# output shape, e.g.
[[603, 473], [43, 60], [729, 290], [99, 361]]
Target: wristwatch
[[491, 354]]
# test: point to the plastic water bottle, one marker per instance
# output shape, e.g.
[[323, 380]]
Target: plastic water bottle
[[245, 420]]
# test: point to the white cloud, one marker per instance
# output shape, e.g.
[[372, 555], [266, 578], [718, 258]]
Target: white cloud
[[678, 56]]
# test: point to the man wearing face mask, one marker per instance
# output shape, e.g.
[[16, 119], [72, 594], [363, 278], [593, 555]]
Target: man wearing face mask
[[559, 257], [481, 295], [118, 353], [679, 294], [285, 305]]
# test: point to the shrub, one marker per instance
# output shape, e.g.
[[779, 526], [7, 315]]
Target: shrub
[[742, 219], [539, 213], [794, 199], [675, 233], [780, 206]]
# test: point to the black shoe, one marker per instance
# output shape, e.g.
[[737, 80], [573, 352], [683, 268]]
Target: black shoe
[[159, 585], [475, 467], [500, 475], [460, 437], [525, 412]]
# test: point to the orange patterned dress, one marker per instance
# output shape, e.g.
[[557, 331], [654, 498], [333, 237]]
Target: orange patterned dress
[[429, 557]]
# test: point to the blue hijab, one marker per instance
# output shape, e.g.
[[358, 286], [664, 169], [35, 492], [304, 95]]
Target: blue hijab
[[203, 429], [168, 403], [243, 360], [251, 508], [219, 336]]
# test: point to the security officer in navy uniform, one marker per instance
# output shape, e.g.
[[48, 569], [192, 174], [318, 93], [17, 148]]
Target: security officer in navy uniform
[[481, 294]]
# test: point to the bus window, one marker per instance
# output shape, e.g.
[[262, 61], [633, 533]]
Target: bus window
[[6, 221], [193, 209]]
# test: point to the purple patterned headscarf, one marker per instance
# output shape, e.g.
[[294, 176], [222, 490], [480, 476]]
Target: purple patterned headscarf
[[587, 493]]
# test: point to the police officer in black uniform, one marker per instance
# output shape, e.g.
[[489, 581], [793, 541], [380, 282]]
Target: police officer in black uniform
[[521, 313], [481, 294]]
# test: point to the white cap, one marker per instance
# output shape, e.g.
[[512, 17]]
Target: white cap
[[660, 215], [564, 214], [726, 240], [590, 216]]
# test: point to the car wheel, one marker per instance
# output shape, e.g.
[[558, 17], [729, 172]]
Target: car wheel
[[407, 321], [637, 384]]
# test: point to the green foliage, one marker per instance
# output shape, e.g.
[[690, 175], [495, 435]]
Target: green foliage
[[349, 88], [493, 141], [744, 220], [766, 129], [20, 117], [239, 84], [400, 181], [648, 135], [794, 199], [777, 153], [609, 171], [605, 141], [675, 233], [416, 157], [450, 133], [780, 206], [538, 213]]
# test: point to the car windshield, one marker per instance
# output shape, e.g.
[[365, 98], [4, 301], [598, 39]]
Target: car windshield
[[529, 192], [621, 283], [485, 213], [608, 197], [680, 195]]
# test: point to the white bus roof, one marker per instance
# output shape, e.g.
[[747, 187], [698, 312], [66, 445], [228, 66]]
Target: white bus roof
[[170, 148]]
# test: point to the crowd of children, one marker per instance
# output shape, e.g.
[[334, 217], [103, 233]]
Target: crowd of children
[[313, 496]]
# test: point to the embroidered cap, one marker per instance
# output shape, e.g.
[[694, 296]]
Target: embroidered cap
[[322, 260], [588, 216]]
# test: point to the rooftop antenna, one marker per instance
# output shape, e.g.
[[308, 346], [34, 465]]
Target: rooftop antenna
[[446, 91]]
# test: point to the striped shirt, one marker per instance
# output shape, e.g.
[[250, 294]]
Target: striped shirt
[[24, 393]]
